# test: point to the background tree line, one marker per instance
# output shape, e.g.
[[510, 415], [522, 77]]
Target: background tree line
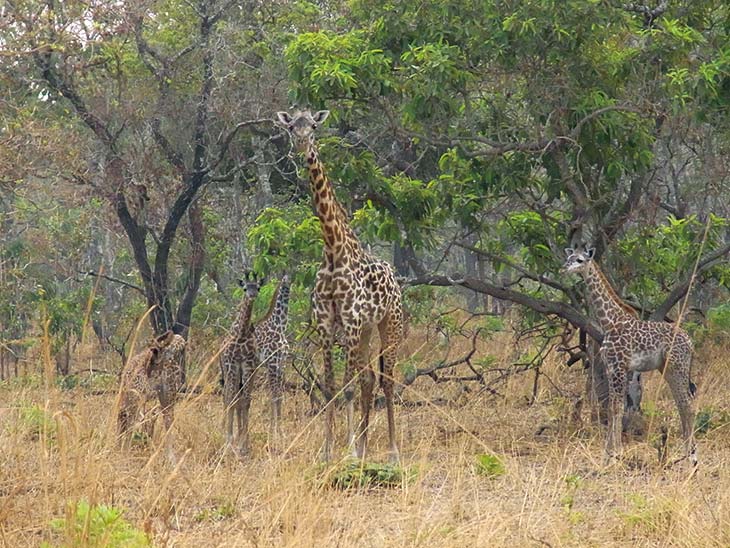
[[471, 140]]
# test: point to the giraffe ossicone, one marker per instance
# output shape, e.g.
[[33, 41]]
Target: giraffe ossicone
[[631, 344], [354, 292]]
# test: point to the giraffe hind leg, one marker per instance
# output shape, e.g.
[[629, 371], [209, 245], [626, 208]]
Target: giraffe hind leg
[[616, 396], [683, 392], [358, 343], [390, 330]]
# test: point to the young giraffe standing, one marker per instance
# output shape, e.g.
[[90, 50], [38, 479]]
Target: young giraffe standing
[[631, 344], [238, 364], [354, 291], [273, 350], [153, 374]]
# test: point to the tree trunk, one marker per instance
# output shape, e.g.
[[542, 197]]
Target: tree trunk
[[400, 260]]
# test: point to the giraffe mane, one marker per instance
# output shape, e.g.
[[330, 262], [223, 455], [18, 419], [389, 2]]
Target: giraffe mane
[[630, 310], [340, 211]]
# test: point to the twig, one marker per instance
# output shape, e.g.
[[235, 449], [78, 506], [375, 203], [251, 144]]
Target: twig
[[115, 280]]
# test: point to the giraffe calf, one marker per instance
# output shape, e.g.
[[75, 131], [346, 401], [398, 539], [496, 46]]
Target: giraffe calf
[[153, 374]]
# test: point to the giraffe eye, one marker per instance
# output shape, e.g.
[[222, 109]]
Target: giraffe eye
[[314, 126]]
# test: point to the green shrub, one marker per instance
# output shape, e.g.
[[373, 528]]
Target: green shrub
[[31, 380], [489, 465], [648, 516], [708, 419], [718, 322], [224, 509], [35, 420], [359, 474], [97, 526]]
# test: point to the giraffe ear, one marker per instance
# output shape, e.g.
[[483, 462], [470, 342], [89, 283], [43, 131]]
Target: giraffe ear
[[165, 339], [320, 116], [284, 118], [569, 251], [591, 251]]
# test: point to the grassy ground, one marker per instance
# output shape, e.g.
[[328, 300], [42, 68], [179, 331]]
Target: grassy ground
[[546, 489]]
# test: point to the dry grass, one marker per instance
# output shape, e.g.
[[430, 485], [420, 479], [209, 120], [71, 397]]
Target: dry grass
[[554, 490]]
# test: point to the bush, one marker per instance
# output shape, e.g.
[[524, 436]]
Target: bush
[[37, 421], [718, 322], [97, 526], [489, 465], [359, 474]]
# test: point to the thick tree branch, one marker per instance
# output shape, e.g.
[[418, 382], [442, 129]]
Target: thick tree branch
[[543, 306], [197, 263], [526, 273]]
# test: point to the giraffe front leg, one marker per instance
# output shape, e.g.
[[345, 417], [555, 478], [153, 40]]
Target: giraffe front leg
[[166, 398], [348, 388], [244, 405], [358, 343], [324, 317], [616, 394], [231, 382], [276, 391], [167, 419]]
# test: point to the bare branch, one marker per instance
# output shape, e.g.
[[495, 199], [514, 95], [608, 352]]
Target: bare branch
[[493, 148], [228, 139], [111, 279]]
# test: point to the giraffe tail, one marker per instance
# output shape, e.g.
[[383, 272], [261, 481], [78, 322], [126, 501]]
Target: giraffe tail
[[381, 370], [692, 389]]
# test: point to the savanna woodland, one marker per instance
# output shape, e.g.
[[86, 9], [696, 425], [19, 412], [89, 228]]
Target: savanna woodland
[[529, 200]]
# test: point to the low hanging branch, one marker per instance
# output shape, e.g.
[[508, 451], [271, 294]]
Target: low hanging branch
[[432, 371], [543, 306]]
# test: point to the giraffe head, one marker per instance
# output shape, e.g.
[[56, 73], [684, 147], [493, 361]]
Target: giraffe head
[[578, 259], [285, 286], [301, 126], [250, 284], [164, 346]]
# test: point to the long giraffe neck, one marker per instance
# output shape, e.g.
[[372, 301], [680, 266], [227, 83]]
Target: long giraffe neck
[[241, 328], [278, 312], [337, 233], [606, 304]]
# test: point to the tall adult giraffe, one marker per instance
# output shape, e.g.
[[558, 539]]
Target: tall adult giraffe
[[354, 291], [631, 344]]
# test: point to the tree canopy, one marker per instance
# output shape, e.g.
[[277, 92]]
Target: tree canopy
[[474, 139]]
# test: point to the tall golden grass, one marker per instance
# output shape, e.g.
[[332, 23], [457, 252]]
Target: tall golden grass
[[555, 490]]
